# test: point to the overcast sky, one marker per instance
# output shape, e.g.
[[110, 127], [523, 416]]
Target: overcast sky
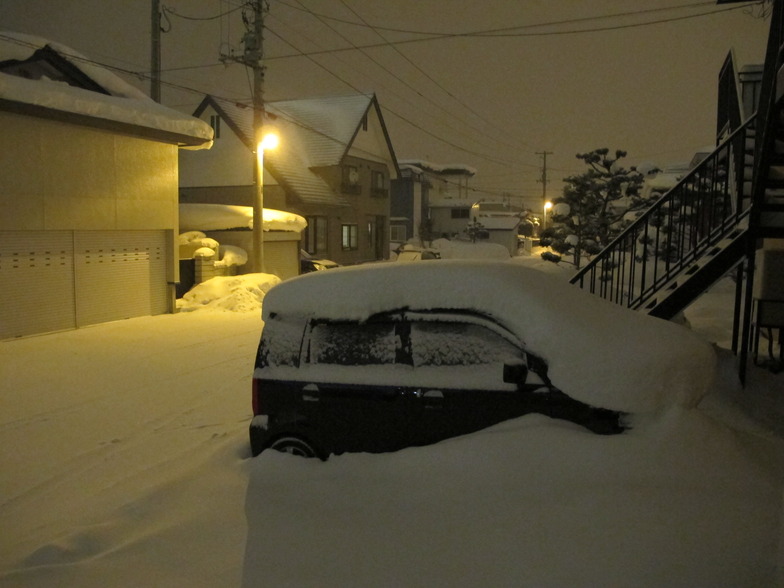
[[563, 76]]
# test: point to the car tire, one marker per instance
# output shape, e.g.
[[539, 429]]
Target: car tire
[[294, 446]]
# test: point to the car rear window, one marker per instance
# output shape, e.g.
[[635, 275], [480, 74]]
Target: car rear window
[[280, 342]]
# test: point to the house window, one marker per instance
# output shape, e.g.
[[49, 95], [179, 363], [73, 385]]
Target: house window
[[397, 233], [378, 184], [350, 184], [314, 236], [215, 124], [461, 212], [349, 237]]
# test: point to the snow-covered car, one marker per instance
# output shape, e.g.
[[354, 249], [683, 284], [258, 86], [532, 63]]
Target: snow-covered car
[[381, 357], [417, 254]]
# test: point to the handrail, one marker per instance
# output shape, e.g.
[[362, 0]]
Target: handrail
[[693, 216]]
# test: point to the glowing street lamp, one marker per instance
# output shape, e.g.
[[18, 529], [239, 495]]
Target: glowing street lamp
[[547, 206], [268, 141]]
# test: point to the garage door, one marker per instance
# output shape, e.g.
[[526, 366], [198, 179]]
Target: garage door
[[119, 274], [37, 277], [58, 280]]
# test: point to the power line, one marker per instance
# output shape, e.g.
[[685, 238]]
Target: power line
[[419, 92], [399, 116], [503, 32], [167, 10], [428, 76], [493, 32]]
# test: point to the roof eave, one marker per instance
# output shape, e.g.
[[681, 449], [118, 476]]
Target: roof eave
[[85, 120]]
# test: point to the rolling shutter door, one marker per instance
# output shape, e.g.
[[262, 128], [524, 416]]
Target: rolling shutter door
[[36, 273], [119, 274], [281, 258]]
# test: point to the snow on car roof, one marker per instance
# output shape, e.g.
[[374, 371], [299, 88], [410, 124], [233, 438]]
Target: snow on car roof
[[597, 352]]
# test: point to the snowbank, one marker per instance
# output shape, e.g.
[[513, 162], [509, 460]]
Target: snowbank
[[597, 352], [243, 293], [137, 472]]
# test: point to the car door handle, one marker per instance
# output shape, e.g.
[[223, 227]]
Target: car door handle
[[310, 393]]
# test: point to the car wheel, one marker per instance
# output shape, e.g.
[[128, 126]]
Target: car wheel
[[294, 446]]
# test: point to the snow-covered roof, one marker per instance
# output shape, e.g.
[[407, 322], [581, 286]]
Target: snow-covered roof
[[124, 107], [596, 351], [218, 217], [328, 124], [318, 133]]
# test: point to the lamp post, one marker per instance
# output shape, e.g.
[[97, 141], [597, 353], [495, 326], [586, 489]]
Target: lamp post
[[268, 141], [547, 206]]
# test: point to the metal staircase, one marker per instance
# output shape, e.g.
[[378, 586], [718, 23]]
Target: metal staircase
[[712, 221]]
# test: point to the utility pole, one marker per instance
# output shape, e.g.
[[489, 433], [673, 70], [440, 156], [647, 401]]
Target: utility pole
[[544, 155], [253, 40], [155, 51]]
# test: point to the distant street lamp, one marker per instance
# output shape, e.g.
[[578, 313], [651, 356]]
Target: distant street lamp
[[547, 206], [269, 141]]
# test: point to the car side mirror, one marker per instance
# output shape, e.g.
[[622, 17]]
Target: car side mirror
[[515, 373]]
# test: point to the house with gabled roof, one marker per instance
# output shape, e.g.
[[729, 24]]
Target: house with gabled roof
[[88, 188], [333, 166]]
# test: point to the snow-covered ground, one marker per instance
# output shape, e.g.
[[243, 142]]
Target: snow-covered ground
[[125, 462]]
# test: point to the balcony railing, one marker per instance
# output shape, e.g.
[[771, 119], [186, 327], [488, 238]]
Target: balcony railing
[[688, 220]]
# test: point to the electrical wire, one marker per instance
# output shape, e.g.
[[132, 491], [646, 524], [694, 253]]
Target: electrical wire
[[503, 32], [433, 80], [493, 32], [166, 10], [418, 92]]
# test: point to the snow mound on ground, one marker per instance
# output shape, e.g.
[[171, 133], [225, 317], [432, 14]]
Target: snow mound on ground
[[467, 250], [229, 293]]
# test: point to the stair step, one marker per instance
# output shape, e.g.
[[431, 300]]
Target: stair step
[[776, 174]]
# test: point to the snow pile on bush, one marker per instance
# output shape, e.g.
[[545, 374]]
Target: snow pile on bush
[[229, 293], [196, 238], [206, 247], [231, 255]]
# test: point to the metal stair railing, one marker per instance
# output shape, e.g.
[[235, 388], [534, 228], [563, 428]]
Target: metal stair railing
[[706, 205]]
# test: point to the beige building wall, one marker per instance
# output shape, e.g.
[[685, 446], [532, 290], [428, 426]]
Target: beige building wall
[[58, 176]]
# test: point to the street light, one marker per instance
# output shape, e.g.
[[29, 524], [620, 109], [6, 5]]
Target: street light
[[547, 206], [268, 141]]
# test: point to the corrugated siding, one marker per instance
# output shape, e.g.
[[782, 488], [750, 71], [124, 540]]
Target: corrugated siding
[[281, 258], [119, 274], [36, 273], [56, 280]]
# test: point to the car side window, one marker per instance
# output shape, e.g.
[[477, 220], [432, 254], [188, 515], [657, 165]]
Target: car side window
[[436, 343], [348, 343]]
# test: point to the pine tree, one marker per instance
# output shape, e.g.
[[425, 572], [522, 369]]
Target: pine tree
[[596, 205]]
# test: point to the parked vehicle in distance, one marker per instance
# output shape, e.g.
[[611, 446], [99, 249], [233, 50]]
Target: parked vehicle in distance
[[349, 362], [308, 263], [410, 253]]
